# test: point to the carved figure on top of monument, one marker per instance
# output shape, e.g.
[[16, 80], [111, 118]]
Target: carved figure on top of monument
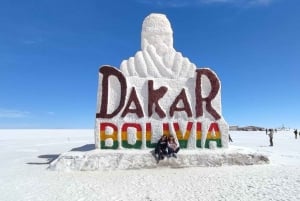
[[158, 58]]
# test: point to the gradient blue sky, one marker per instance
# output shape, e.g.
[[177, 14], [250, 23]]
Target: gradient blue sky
[[50, 52]]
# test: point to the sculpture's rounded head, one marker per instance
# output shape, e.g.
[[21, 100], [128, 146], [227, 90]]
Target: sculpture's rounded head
[[156, 29]]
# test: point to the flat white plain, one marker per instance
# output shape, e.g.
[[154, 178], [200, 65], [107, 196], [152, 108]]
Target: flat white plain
[[25, 155]]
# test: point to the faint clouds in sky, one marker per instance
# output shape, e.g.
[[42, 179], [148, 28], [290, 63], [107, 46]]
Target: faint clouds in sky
[[5, 113], [182, 3], [10, 113], [32, 41]]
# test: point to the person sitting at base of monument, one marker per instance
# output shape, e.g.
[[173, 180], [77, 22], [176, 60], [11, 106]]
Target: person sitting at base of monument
[[173, 148], [161, 147]]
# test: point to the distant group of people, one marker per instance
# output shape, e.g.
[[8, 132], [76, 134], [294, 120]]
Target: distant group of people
[[270, 133], [166, 146]]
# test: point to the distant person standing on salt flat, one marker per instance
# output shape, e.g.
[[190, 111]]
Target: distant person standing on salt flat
[[230, 139], [295, 132], [271, 132]]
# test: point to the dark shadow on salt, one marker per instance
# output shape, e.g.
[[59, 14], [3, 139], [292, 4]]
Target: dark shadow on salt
[[87, 147], [155, 156], [49, 158]]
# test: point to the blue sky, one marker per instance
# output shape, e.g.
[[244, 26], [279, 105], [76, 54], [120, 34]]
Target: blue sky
[[50, 52]]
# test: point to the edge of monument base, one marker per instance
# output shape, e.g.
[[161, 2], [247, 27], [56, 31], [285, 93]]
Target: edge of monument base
[[144, 159]]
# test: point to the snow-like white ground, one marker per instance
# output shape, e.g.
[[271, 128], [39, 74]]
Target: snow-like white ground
[[25, 154]]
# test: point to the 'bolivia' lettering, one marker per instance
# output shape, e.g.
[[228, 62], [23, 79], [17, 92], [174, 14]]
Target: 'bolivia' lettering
[[213, 134]]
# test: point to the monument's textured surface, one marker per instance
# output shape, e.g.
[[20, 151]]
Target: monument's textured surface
[[156, 92]]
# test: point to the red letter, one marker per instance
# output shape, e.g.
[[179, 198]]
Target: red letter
[[133, 98], [186, 106], [215, 86], [108, 71], [153, 97]]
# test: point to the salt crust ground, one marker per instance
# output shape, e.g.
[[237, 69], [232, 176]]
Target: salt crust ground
[[25, 156]]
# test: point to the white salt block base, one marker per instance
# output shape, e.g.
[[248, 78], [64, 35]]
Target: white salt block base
[[137, 159]]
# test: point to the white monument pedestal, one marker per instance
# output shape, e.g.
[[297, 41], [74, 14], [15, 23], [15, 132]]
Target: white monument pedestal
[[95, 160]]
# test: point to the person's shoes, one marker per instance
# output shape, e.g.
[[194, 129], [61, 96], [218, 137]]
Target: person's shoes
[[160, 157], [174, 155]]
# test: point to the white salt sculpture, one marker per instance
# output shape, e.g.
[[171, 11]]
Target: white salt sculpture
[[159, 63], [158, 58]]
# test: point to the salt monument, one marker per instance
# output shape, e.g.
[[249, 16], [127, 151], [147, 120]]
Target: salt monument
[[156, 92]]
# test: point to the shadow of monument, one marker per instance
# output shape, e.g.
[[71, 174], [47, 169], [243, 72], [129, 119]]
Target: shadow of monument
[[87, 147], [49, 158]]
